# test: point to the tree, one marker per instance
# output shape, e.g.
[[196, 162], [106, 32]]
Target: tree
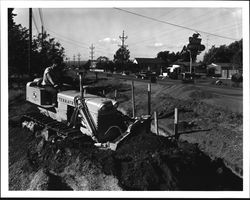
[[236, 48], [121, 57], [194, 48], [104, 63], [225, 54], [44, 49], [168, 57], [184, 54], [17, 46]]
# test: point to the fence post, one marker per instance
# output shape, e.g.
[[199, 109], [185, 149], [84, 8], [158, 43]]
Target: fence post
[[84, 92], [149, 98], [176, 119], [133, 99], [115, 95], [156, 122]]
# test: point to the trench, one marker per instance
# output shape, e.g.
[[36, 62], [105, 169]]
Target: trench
[[146, 162], [180, 166], [204, 175], [56, 183], [150, 162]]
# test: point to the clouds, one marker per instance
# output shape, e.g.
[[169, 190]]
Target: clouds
[[157, 45], [109, 40], [169, 47]]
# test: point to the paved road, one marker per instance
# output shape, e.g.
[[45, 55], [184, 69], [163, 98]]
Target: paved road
[[234, 93], [218, 90]]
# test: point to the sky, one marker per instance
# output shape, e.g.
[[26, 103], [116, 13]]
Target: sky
[[148, 30]]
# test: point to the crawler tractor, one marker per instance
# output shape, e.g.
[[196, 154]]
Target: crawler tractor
[[78, 114]]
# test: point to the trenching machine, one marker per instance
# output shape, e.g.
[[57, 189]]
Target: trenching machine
[[78, 114]]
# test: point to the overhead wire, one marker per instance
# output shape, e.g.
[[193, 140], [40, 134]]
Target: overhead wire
[[197, 20], [69, 42], [73, 42], [62, 36], [173, 24], [227, 28], [41, 16], [33, 17]]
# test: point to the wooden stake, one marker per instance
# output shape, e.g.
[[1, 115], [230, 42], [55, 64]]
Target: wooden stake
[[176, 120], [81, 88], [84, 92], [133, 99], [149, 98], [156, 123], [115, 94]]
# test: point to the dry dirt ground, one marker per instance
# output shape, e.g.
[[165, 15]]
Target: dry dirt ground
[[145, 161], [214, 126]]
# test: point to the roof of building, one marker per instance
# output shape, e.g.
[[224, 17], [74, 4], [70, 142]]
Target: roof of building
[[224, 65], [149, 61], [194, 64]]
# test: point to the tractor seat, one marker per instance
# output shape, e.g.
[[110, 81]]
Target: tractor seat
[[37, 82]]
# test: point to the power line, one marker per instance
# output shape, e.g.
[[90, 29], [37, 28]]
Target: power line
[[41, 16], [67, 38], [197, 20], [35, 22], [74, 44], [169, 32], [176, 25], [78, 45]]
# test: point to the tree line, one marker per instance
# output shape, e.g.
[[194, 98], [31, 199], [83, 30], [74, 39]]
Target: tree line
[[43, 49]]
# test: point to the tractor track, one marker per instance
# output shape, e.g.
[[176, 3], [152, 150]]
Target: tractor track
[[60, 128]]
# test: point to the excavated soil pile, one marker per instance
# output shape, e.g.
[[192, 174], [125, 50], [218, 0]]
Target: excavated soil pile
[[143, 162]]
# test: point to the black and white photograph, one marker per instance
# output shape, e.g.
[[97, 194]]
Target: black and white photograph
[[125, 99]]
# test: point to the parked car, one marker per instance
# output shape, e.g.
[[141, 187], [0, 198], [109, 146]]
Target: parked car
[[125, 73], [147, 75]]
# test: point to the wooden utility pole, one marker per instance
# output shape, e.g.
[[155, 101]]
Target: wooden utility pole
[[176, 120], [123, 38], [79, 59], [123, 47], [133, 99], [30, 41], [115, 95], [156, 122], [74, 60], [92, 54], [190, 57], [149, 99], [42, 36]]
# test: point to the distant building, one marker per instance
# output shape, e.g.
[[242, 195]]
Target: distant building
[[223, 70], [150, 64], [197, 68]]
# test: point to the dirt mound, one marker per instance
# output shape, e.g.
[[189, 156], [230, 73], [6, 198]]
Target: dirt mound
[[143, 162]]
